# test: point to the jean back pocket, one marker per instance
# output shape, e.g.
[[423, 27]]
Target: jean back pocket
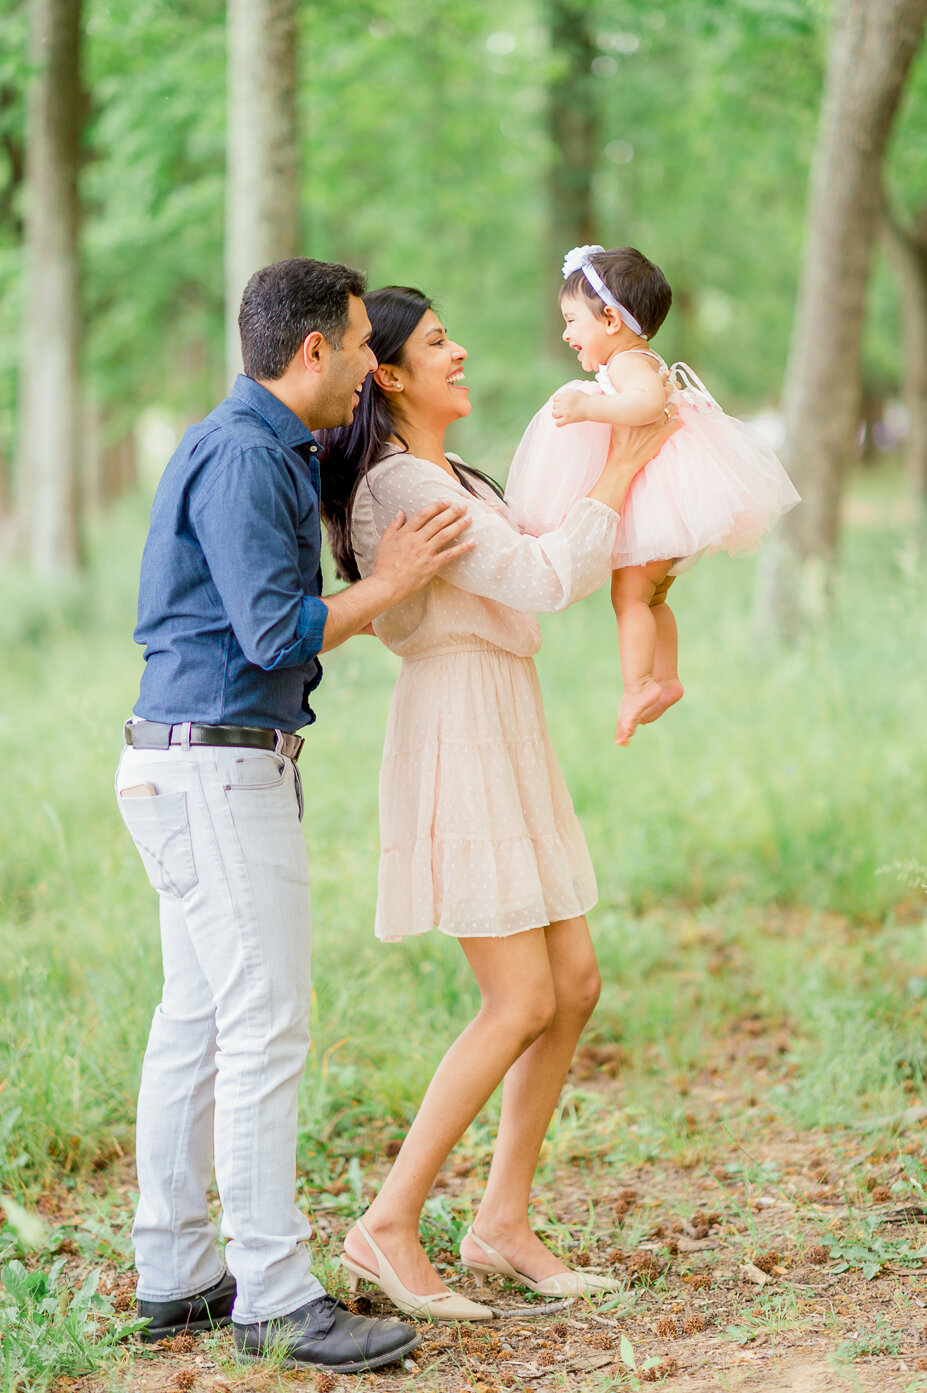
[[160, 828]]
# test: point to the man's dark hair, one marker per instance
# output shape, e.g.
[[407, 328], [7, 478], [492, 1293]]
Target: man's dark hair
[[634, 281], [284, 303]]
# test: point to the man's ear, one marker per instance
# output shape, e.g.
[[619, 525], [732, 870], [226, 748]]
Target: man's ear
[[384, 376], [315, 351]]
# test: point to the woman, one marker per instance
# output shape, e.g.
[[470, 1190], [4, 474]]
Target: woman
[[478, 834]]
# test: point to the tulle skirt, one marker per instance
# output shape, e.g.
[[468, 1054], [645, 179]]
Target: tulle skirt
[[712, 487], [477, 830]]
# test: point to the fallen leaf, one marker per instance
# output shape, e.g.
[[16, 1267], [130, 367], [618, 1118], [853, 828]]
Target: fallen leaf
[[597, 1361], [30, 1228]]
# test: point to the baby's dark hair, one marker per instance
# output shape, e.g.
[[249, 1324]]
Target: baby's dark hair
[[634, 281]]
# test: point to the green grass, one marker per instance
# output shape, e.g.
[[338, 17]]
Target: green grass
[[48, 1330], [745, 848]]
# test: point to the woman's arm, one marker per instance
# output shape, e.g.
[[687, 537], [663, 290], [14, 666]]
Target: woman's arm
[[537, 574], [631, 448], [527, 573]]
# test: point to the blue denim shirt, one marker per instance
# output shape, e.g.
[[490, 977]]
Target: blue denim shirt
[[228, 607]]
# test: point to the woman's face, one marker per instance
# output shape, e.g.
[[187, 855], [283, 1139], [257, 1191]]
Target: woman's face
[[431, 375]]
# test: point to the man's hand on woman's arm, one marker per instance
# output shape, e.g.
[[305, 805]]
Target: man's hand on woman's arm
[[409, 556]]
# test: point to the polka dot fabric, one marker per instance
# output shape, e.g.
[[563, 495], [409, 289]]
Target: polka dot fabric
[[478, 833]]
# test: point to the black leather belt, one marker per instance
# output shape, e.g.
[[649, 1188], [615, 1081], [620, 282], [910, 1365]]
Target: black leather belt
[[152, 735]]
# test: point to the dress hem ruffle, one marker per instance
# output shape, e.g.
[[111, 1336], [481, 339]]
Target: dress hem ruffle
[[509, 933]]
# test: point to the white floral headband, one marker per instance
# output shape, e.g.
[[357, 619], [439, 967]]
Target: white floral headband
[[580, 259]]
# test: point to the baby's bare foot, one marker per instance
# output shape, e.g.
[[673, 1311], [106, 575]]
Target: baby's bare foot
[[633, 706], [670, 693]]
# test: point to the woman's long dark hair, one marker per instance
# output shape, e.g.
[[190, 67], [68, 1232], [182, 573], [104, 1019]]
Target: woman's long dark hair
[[349, 451]]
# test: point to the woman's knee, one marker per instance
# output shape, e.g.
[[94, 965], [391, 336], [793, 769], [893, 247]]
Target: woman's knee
[[578, 996], [525, 1018], [592, 990], [574, 971]]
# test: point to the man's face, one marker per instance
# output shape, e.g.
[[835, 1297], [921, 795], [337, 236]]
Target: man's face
[[346, 369]]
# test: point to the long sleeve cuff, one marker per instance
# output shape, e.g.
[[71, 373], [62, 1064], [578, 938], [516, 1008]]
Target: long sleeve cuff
[[310, 629]]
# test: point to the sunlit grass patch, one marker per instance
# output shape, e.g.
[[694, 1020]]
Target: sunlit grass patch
[[49, 1330], [743, 845]]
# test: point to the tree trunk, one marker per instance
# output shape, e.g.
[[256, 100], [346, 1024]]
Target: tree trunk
[[15, 152], [7, 518], [47, 455], [109, 465], [872, 46], [907, 250], [573, 129], [262, 194]]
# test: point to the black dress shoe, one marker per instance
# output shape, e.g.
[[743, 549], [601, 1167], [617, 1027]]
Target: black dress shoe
[[203, 1311], [325, 1334]]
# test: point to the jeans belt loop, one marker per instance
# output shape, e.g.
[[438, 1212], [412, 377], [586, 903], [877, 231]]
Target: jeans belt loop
[[278, 742], [185, 729]]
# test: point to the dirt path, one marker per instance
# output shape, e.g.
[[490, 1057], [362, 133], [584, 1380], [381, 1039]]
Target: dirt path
[[771, 1260]]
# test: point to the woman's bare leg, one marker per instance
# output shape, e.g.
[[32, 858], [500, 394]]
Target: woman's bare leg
[[633, 589], [666, 657], [518, 1004], [529, 1096]]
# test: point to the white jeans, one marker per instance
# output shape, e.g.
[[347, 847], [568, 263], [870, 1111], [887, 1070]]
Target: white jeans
[[222, 845]]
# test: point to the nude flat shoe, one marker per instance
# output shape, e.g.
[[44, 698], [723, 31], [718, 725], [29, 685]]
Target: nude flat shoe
[[570, 1283], [443, 1305]]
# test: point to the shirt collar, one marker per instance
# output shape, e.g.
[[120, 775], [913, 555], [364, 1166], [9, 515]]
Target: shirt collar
[[283, 422]]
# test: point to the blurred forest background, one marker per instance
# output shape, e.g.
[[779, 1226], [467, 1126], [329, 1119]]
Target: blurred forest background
[[427, 144], [760, 850]]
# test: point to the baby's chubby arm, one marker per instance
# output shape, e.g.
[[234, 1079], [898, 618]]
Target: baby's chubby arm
[[640, 399]]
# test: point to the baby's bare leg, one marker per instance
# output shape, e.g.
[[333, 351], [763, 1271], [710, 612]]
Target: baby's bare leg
[[633, 590], [665, 668]]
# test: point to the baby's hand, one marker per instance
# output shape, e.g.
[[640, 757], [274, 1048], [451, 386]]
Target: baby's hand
[[569, 407]]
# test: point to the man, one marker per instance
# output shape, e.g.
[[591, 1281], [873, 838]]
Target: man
[[232, 619]]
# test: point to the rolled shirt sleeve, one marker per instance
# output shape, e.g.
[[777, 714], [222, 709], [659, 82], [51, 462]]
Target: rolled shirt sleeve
[[310, 630], [251, 548]]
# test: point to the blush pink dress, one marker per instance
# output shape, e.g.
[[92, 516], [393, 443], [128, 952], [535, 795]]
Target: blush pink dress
[[712, 487], [478, 836]]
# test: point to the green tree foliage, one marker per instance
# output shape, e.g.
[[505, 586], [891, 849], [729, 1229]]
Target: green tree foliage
[[906, 190], [425, 155], [153, 189]]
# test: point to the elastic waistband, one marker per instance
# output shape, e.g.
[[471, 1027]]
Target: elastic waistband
[[452, 648]]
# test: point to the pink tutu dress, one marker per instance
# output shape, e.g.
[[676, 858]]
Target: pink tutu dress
[[712, 487]]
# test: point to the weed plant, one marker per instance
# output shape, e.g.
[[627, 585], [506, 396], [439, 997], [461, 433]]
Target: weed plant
[[48, 1330], [738, 843]]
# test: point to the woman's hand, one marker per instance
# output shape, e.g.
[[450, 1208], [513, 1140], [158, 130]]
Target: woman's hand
[[631, 448], [569, 407]]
